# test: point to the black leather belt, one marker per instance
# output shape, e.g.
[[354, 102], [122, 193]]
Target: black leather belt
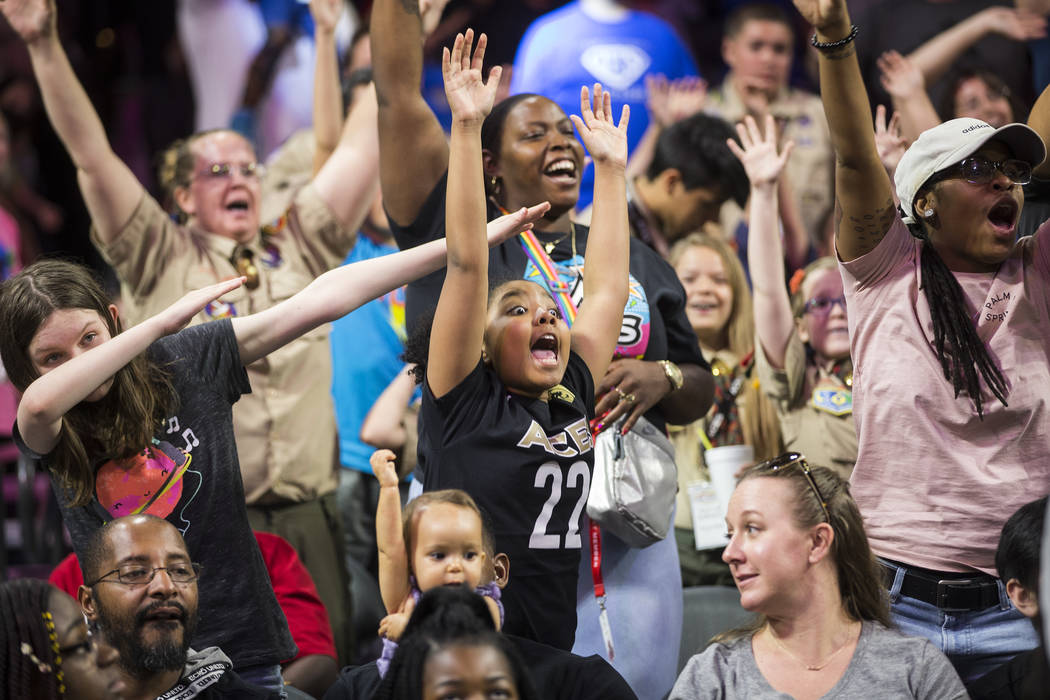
[[949, 591]]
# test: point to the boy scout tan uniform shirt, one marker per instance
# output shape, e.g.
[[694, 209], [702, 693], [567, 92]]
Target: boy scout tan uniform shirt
[[826, 440], [810, 170], [285, 428]]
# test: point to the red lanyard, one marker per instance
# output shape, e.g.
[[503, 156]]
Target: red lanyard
[[599, 588]]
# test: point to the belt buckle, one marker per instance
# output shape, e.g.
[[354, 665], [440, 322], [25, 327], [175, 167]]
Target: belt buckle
[[944, 587]]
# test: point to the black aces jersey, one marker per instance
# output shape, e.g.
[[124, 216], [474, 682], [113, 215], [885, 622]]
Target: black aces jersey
[[528, 464]]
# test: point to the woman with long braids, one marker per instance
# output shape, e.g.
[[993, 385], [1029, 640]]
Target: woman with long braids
[[948, 321], [46, 650]]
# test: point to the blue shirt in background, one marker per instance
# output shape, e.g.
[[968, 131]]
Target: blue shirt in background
[[366, 356], [566, 49]]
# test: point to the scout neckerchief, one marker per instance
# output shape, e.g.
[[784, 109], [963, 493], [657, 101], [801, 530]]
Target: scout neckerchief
[[724, 427]]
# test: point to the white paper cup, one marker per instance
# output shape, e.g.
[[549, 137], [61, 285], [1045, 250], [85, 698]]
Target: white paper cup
[[722, 464]]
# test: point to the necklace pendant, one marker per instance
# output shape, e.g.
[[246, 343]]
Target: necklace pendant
[[549, 246]]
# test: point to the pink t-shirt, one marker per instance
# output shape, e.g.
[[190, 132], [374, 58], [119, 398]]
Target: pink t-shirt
[[934, 482]]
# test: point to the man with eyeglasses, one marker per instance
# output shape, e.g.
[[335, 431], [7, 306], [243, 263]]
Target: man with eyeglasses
[[140, 594]]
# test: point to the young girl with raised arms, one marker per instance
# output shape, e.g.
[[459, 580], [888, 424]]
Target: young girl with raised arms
[[803, 350], [440, 540], [508, 387], [140, 421]]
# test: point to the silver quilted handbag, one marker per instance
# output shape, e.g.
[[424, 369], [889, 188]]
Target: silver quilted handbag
[[634, 484]]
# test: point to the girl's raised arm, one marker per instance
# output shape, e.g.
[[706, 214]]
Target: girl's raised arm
[[765, 254], [55, 392], [412, 149], [338, 292], [864, 202], [606, 259], [460, 317], [111, 191]]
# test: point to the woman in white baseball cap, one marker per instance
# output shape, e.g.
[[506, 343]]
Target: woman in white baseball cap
[[949, 323]]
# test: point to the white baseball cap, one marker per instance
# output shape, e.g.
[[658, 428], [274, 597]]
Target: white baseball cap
[[951, 142]]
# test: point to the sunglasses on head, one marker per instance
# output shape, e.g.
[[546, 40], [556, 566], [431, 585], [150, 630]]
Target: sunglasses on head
[[794, 459]]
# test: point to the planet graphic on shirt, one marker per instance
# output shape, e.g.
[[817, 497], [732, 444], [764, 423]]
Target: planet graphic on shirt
[[150, 482]]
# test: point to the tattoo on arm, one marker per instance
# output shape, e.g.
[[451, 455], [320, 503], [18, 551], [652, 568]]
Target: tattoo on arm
[[866, 229], [840, 53], [410, 6]]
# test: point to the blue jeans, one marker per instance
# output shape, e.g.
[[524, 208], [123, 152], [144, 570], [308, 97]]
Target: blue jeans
[[974, 641], [265, 676]]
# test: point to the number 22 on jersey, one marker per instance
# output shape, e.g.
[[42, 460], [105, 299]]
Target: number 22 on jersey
[[549, 475]]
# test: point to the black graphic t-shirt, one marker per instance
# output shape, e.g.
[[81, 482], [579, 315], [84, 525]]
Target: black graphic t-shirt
[[655, 326], [190, 476], [528, 465]]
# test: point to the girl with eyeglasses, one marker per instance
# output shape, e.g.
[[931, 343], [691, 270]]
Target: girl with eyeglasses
[[140, 420], [46, 650], [949, 324], [803, 340], [802, 563]]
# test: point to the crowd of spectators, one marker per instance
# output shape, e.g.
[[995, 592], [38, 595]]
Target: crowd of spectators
[[822, 220]]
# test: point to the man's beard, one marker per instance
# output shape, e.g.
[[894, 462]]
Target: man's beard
[[141, 659]]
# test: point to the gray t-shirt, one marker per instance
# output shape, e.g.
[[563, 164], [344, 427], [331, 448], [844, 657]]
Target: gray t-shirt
[[897, 665], [190, 476]]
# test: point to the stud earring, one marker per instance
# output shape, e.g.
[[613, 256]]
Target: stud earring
[[928, 213]]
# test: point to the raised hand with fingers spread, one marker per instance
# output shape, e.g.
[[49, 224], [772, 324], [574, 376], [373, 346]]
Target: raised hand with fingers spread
[[669, 101], [758, 152], [899, 77], [605, 140], [470, 96], [888, 139]]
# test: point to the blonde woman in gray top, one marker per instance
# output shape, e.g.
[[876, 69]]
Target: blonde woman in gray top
[[801, 560]]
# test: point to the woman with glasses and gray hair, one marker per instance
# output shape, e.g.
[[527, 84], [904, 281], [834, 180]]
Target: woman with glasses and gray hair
[[948, 324], [801, 561]]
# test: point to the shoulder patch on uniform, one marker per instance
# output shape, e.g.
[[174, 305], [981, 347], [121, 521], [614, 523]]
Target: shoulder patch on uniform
[[836, 401]]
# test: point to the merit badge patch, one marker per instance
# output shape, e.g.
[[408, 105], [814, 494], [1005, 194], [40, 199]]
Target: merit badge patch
[[836, 401]]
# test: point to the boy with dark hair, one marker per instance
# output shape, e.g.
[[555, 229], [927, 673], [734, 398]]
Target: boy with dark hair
[[1027, 675], [691, 174]]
